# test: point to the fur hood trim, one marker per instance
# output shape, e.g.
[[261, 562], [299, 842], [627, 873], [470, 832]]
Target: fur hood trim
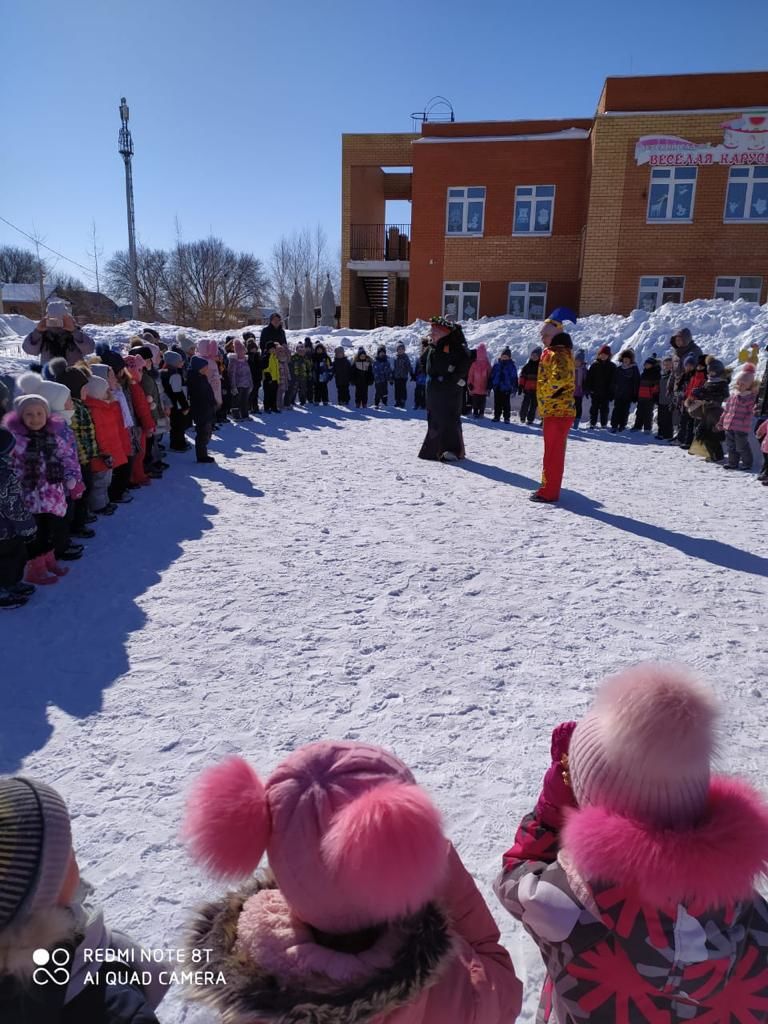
[[251, 992], [46, 929], [712, 864]]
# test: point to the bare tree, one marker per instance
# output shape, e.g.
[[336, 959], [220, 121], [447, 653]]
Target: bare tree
[[296, 256], [150, 273], [18, 266]]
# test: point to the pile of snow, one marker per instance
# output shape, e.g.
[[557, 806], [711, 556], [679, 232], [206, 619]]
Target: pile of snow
[[15, 323], [721, 328]]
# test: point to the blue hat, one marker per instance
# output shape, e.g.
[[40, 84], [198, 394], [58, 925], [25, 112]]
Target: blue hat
[[197, 363], [560, 315]]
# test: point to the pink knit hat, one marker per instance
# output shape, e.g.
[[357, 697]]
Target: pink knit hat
[[352, 841], [644, 750], [239, 348]]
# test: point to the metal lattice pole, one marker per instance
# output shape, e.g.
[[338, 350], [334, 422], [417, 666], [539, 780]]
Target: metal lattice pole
[[125, 148]]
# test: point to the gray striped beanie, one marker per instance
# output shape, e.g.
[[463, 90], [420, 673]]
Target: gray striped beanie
[[35, 848]]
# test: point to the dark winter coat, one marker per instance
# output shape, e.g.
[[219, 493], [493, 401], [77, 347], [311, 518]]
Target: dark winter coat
[[96, 1004], [271, 333], [342, 371], [174, 384], [382, 370], [322, 367], [761, 402], [49, 344], [626, 383], [448, 361], [362, 371], [402, 368], [649, 384], [666, 388], [254, 361], [202, 400], [646, 926], [420, 370], [712, 395], [15, 518], [679, 355], [600, 380], [504, 376], [529, 376], [301, 368]]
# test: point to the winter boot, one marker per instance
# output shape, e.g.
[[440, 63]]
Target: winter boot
[[22, 589], [10, 600], [37, 572], [53, 566]]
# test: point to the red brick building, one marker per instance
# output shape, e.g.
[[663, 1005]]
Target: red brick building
[[661, 196]]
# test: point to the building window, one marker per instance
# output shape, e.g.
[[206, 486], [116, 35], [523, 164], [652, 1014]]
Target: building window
[[461, 300], [670, 198], [465, 211], [747, 195], [534, 209], [527, 299], [655, 291], [732, 288]]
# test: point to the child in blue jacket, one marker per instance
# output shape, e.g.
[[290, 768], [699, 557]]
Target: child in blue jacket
[[504, 383], [382, 375]]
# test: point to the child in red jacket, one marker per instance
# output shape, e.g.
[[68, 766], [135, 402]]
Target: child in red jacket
[[108, 424], [647, 395], [144, 421], [526, 386]]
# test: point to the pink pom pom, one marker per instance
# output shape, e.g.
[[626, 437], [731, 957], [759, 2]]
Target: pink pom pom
[[386, 851], [227, 821]]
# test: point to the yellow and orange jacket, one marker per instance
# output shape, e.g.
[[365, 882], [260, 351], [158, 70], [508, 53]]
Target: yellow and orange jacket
[[554, 388]]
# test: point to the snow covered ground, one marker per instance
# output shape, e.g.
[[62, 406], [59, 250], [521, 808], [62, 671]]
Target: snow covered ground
[[320, 580]]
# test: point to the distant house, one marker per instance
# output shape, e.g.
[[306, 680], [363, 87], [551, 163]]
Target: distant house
[[91, 307], [24, 299]]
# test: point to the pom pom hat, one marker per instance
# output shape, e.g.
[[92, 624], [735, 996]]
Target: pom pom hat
[[351, 840], [644, 749]]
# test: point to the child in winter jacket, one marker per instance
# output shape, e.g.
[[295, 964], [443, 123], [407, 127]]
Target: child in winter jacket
[[202, 404], [690, 377], [636, 873], [144, 426], [44, 460], [626, 384], [382, 375], [527, 386], [342, 375], [504, 384], [420, 376], [736, 419], [666, 412], [402, 372], [174, 381], [478, 381], [579, 376], [647, 395], [254, 364], [50, 929], [240, 381], [150, 385], [362, 377], [762, 435], [392, 927], [710, 397], [271, 377], [113, 449], [323, 372], [284, 372], [17, 526], [598, 384], [208, 348], [301, 372]]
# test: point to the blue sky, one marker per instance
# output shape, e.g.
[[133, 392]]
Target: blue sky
[[237, 108]]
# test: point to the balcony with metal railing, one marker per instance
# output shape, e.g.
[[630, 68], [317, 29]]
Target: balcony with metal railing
[[380, 242]]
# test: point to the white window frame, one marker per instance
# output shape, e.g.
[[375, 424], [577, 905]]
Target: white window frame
[[465, 199], [750, 179], [523, 289], [737, 290], [460, 291], [533, 198], [671, 176], [660, 288]]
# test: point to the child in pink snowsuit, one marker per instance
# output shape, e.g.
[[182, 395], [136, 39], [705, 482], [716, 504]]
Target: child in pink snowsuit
[[636, 873], [367, 914], [478, 381]]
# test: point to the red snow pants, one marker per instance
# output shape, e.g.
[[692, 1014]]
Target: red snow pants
[[138, 476], [555, 437]]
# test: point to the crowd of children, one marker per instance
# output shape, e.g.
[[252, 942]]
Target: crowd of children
[[88, 424], [636, 875]]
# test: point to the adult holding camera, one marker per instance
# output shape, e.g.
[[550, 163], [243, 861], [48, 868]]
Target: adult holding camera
[[57, 335], [447, 366]]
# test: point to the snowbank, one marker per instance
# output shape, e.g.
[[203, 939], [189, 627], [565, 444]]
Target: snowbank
[[721, 328]]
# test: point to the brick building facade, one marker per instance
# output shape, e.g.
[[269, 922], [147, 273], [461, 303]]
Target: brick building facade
[[662, 196]]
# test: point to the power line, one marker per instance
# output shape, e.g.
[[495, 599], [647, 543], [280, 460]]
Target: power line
[[54, 251]]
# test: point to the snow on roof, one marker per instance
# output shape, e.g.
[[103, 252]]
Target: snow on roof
[[24, 292]]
